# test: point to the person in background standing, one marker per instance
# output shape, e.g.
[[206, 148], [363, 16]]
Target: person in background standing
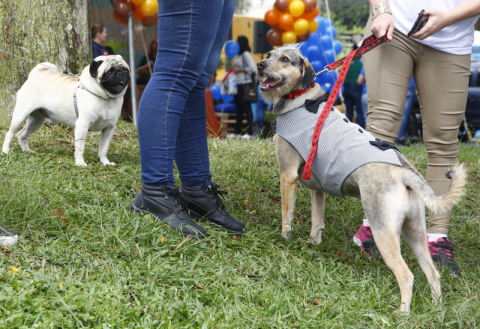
[[143, 71], [352, 92], [99, 36], [243, 68]]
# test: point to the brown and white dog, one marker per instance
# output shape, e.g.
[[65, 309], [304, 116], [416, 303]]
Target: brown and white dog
[[393, 196]]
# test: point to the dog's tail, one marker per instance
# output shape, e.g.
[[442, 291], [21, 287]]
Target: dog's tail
[[438, 203], [44, 66]]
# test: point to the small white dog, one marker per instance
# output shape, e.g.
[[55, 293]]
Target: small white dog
[[91, 102]]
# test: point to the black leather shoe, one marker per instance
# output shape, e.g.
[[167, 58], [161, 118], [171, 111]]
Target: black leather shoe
[[167, 205], [204, 202]]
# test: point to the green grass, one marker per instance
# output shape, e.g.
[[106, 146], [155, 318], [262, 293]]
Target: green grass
[[120, 270]]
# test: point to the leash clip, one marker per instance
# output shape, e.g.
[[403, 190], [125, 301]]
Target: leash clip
[[325, 69]]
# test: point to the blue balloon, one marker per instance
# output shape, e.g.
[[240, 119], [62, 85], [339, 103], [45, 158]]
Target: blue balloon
[[227, 98], [317, 66], [215, 89], [232, 48], [337, 46], [329, 56], [326, 42], [322, 24], [333, 31], [313, 53], [313, 38]]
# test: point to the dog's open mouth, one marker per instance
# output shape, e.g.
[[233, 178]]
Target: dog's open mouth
[[270, 83]]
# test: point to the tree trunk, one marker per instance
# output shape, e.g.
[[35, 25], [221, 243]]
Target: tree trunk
[[56, 31]]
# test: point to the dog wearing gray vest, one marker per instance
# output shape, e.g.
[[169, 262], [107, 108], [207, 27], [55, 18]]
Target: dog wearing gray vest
[[92, 101], [350, 162]]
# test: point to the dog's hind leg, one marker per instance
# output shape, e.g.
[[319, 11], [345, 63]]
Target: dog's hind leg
[[21, 112], [318, 220], [34, 121], [415, 232]]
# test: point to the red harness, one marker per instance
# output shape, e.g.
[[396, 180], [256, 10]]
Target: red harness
[[368, 44]]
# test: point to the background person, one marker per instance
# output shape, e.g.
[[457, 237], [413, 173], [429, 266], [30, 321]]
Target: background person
[[243, 68], [143, 71], [438, 57], [172, 118], [352, 92], [99, 36]]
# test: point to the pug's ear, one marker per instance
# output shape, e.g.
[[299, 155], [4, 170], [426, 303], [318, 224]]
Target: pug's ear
[[308, 73], [94, 68]]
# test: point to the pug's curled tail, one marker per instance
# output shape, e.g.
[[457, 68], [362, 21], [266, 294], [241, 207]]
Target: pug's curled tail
[[438, 203], [44, 66]]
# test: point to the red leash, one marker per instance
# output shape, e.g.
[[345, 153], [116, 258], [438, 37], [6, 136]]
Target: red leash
[[368, 44]]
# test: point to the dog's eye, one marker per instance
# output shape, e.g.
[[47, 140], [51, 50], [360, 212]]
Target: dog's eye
[[285, 59], [109, 73]]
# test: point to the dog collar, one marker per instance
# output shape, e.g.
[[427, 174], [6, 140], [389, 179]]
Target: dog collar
[[298, 92]]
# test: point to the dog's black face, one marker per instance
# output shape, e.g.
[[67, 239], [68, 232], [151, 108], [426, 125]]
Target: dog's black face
[[284, 70], [114, 77]]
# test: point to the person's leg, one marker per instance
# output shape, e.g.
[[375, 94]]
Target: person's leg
[[249, 114], [191, 153], [388, 69], [186, 33], [348, 99], [387, 90], [358, 106], [438, 73], [365, 107], [402, 134], [240, 107]]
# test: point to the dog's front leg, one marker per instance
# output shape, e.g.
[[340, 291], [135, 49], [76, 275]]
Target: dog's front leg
[[289, 193], [107, 134], [318, 220], [81, 132]]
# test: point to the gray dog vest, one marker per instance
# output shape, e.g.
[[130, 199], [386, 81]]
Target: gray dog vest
[[343, 146]]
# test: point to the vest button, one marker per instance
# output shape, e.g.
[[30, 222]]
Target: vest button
[[378, 139], [345, 120], [360, 130]]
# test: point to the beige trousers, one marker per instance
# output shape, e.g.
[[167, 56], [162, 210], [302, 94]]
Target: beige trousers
[[441, 81]]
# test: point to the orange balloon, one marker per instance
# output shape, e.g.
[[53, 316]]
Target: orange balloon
[[136, 2], [118, 19], [300, 27], [311, 15], [150, 20], [149, 7], [296, 8], [289, 37], [286, 21], [137, 13], [313, 26], [271, 18]]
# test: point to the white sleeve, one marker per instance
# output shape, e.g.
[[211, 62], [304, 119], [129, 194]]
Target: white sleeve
[[249, 63]]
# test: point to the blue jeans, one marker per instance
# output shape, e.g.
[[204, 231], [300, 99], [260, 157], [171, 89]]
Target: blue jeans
[[352, 96], [172, 112], [411, 96]]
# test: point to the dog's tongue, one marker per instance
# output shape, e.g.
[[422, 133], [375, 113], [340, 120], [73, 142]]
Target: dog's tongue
[[268, 82]]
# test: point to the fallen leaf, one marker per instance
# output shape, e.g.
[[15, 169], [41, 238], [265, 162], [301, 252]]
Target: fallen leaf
[[342, 255], [136, 187], [316, 301], [199, 287], [60, 215]]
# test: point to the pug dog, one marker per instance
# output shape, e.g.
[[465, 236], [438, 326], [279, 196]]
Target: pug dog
[[92, 101]]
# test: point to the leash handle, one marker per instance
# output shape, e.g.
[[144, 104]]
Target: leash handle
[[368, 44]]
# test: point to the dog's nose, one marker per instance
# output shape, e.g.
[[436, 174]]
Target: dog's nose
[[261, 65]]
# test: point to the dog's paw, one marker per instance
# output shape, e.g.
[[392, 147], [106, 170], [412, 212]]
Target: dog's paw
[[286, 232], [80, 163], [314, 239], [110, 164]]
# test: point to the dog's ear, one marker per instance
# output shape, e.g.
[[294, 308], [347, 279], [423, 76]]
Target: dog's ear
[[94, 68], [308, 73]]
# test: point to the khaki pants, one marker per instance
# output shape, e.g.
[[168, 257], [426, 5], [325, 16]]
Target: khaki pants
[[441, 80]]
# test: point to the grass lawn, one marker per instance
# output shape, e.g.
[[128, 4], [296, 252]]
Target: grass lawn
[[84, 261]]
